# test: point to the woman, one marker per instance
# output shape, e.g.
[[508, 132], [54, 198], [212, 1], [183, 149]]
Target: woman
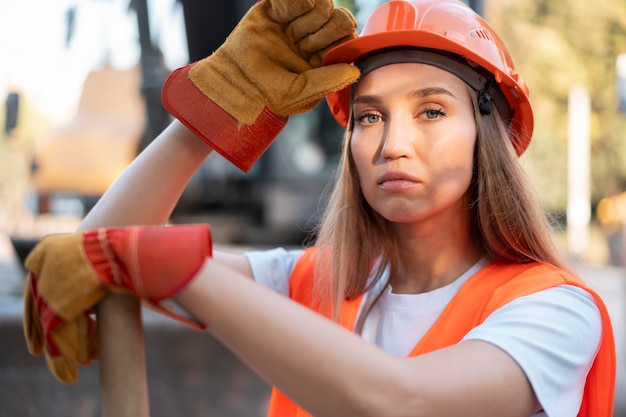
[[433, 251]]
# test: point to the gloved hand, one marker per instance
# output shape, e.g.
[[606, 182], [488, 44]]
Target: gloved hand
[[70, 273], [239, 98]]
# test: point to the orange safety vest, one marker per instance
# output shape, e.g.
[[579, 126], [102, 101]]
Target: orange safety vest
[[489, 289]]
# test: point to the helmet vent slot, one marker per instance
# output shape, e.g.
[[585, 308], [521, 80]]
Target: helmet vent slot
[[482, 34]]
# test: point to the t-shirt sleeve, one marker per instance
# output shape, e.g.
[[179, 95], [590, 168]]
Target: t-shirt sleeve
[[272, 268], [554, 336]]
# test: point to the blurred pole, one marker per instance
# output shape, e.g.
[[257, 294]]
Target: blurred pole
[[620, 68], [12, 105], [153, 72], [578, 196]]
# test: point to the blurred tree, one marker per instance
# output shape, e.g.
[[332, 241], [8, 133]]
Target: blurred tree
[[349, 4], [556, 44]]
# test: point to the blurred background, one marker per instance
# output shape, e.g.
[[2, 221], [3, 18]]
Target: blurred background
[[80, 85]]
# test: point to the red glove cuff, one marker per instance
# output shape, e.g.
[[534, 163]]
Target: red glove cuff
[[241, 144], [153, 262]]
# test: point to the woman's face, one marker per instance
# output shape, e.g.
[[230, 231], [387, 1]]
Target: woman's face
[[413, 141]]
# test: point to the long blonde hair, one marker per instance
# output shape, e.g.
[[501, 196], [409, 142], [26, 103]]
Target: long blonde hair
[[508, 221]]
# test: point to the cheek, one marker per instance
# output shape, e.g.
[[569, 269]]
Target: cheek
[[461, 154], [361, 155], [465, 156], [454, 161], [464, 143]]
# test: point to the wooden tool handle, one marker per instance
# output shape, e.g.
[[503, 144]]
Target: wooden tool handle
[[123, 381]]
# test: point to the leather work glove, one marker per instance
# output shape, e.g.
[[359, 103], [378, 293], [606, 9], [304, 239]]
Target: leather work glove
[[70, 273], [239, 98]]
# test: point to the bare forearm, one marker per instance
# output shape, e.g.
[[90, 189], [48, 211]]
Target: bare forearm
[[148, 190], [332, 372], [306, 356]]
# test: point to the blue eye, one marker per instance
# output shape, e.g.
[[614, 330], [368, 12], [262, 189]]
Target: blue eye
[[433, 113], [368, 118]]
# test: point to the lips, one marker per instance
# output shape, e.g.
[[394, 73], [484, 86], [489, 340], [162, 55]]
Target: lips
[[397, 181]]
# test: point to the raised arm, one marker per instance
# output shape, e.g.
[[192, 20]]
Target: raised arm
[[236, 101]]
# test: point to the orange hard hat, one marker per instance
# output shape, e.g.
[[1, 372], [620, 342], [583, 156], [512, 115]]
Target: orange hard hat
[[446, 28]]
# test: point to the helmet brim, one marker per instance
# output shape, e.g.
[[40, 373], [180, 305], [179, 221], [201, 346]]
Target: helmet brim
[[349, 51]]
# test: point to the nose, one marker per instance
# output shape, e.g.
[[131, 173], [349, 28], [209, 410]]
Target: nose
[[397, 141]]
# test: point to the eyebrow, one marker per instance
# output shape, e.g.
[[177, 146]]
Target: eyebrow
[[430, 91], [420, 92]]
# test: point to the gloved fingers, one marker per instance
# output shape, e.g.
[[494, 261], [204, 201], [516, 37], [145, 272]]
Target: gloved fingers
[[87, 346], [317, 58], [35, 258], [75, 343], [52, 251], [33, 331], [61, 287], [311, 86], [67, 284], [284, 11], [64, 369], [311, 21], [341, 27]]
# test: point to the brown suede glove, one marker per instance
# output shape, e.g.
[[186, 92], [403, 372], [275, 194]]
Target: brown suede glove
[[65, 331], [240, 97], [70, 273]]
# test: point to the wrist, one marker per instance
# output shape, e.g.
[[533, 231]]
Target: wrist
[[241, 144]]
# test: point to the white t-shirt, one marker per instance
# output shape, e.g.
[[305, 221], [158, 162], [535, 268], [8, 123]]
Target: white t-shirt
[[553, 334]]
